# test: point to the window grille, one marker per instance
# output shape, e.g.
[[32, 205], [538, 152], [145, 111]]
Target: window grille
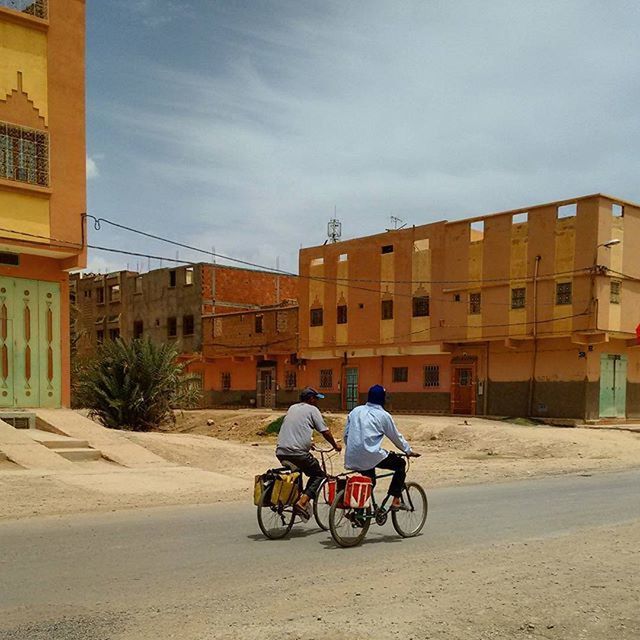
[[420, 306], [342, 314], [188, 325], [290, 381], [615, 291], [387, 309], [24, 155], [316, 317], [475, 300], [326, 378], [37, 8], [432, 375], [400, 374], [518, 298], [563, 293], [225, 380]]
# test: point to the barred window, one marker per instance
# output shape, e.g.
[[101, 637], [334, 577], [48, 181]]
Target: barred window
[[326, 378], [24, 155], [290, 381], [563, 293], [475, 300], [616, 289], [387, 309], [316, 318], [432, 375], [420, 306], [259, 323], [342, 314], [518, 298], [225, 380], [400, 374]]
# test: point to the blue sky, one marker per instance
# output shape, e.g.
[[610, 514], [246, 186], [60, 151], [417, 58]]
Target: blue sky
[[240, 125]]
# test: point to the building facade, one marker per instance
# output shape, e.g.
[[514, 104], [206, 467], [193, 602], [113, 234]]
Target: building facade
[[42, 194], [167, 305], [249, 357], [531, 312]]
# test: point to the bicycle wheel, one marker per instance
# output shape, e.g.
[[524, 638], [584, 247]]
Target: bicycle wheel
[[348, 526], [409, 523], [274, 521], [322, 507]]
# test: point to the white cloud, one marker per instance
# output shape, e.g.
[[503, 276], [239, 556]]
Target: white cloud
[[92, 168]]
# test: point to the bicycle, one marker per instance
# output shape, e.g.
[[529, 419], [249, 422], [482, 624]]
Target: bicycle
[[275, 521], [349, 526]]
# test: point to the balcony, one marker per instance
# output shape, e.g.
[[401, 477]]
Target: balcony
[[36, 8]]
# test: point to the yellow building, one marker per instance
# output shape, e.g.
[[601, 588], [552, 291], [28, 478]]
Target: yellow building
[[525, 312], [42, 194]]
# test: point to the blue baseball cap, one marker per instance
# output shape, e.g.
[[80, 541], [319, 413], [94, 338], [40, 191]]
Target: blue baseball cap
[[310, 392]]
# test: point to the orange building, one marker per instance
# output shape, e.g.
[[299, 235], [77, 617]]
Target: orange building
[[42, 194], [524, 312]]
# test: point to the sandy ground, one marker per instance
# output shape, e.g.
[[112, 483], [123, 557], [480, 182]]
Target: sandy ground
[[213, 456]]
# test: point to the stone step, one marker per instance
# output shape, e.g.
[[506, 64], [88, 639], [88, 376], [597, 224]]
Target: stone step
[[79, 454], [68, 443]]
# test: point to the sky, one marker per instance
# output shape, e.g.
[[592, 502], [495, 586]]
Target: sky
[[243, 125]]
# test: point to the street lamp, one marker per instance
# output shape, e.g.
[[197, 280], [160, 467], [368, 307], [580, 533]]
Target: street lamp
[[609, 243]]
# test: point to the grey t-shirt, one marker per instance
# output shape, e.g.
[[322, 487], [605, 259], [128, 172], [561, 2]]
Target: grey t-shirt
[[297, 429]]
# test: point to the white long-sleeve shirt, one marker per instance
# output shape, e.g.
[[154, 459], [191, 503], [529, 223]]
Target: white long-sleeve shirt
[[366, 426]]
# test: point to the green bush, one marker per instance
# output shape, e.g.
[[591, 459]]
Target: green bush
[[274, 427], [135, 385]]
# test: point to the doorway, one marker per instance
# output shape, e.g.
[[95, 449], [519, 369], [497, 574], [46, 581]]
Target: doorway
[[30, 368], [352, 394], [463, 389], [613, 385], [266, 388]]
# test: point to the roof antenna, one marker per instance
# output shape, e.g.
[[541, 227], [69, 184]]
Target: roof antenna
[[334, 228], [395, 223]]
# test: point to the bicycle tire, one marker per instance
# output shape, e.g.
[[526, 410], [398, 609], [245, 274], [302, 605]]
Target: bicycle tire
[[343, 521], [410, 523], [321, 508], [274, 522]]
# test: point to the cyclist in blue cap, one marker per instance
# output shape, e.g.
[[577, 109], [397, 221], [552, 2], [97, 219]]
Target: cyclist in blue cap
[[366, 426]]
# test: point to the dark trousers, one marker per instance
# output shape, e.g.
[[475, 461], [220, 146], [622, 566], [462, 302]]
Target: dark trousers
[[398, 465], [310, 467]]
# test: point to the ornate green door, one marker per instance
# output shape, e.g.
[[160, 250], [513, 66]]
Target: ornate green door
[[613, 385], [30, 369]]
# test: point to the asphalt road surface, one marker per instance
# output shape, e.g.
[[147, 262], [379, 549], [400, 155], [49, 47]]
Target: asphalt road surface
[[64, 577]]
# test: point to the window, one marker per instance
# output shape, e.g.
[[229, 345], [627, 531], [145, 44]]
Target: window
[[475, 300], [432, 375], [188, 276], [617, 210], [615, 291], [24, 155], [563, 293], [259, 323], [138, 284], [520, 218], [456, 297], [187, 325], [114, 293], [100, 336], [342, 314], [387, 309], [387, 248], [10, 259], [400, 374], [316, 318], [567, 210], [87, 293], [518, 298], [225, 380], [290, 381], [420, 306], [282, 321], [100, 295], [172, 278], [326, 378], [138, 329], [114, 334], [343, 257], [172, 327], [36, 8], [476, 231]]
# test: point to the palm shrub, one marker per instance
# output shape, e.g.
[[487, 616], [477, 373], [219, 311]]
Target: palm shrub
[[136, 385]]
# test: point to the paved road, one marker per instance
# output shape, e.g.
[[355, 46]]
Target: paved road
[[125, 560]]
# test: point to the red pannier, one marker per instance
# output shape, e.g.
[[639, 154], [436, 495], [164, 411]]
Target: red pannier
[[357, 494]]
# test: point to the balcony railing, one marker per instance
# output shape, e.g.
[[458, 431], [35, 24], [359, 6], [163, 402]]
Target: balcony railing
[[37, 8]]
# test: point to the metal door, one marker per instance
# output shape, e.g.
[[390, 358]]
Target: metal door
[[30, 368], [266, 396], [463, 391], [613, 385], [352, 396]]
